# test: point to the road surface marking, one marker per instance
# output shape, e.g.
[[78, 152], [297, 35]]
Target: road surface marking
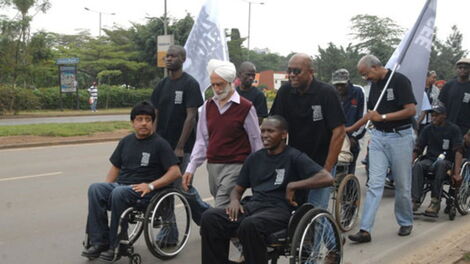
[[31, 176]]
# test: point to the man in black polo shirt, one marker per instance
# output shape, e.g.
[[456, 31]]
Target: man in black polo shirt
[[142, 163], [276, 174], [455, 95], [441, 138], [176, 99], [246, 74], [391, 144], [316, 119]]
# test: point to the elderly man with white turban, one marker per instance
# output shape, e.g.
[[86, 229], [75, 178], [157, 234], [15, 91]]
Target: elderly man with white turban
[[227, 132]]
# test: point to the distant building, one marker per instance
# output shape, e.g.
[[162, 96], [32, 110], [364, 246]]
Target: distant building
[[270, 79]]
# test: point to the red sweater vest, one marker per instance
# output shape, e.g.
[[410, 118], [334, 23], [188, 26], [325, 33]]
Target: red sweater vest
[[228, 140]]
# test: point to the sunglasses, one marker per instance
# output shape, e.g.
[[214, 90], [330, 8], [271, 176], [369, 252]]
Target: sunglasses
[[295, 71]]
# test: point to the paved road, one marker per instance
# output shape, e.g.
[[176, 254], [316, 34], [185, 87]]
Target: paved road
[[43, 210], [70, 119]]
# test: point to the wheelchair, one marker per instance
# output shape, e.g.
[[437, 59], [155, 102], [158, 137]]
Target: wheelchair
[[463, 191], [347, 194], [165, 221], [450, 195], [312, 236]]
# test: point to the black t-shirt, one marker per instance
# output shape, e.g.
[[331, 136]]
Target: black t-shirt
[[311, 116], [172, 98], [257, 98], [268, 175], [399, 93], [142, 160], [440, 139], [455, 96]]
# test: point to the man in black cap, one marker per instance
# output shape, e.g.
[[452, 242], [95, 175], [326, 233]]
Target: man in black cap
[[455, 95], [441, 138], [352, 101]]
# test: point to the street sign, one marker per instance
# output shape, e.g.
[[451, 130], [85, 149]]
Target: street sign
[[63, 61], [163, 43]]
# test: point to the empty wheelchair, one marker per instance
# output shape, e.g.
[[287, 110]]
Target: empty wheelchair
[[165, 221], [347, 195], [312, 236], [463, 191]]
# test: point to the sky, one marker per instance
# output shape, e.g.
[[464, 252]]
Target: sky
[[280, 26]]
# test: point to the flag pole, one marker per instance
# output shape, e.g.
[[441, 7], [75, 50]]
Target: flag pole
[[401, 56]]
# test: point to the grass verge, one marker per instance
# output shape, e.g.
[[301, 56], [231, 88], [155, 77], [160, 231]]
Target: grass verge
[[63, 130]]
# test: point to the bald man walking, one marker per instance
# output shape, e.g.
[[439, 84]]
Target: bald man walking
[[227, 132]]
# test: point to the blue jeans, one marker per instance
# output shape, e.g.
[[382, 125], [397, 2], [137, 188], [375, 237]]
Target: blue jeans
[[320, 197], [115, 197], [389, 150], [93, 105]]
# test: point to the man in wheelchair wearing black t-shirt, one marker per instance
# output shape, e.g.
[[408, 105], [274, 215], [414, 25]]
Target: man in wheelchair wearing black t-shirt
[[441, 138], [275, 175], [142, 163]]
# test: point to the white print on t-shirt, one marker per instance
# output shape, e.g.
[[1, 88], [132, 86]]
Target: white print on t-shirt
[[145, 159], [466, 98], [445, 144], [178, 97], [390, 95], [317, 113], [279, 176]]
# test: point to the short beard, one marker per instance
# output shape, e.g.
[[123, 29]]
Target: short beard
[[224, 94]]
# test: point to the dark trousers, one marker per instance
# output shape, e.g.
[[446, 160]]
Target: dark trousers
[[355, 152], [252, 228], [420, 170], [115, 198]]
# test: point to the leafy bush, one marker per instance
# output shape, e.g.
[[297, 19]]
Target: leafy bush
[[15, 99]]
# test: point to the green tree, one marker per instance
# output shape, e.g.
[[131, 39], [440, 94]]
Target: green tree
[[333, 58], [445, 54], [375, 35], [234, 46]]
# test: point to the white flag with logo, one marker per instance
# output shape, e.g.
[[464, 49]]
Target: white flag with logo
[[412, 55], [206, 41]]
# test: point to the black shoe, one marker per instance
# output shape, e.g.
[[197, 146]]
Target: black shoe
[[405, 230], [94, 251], [360, 237], [110, 256]]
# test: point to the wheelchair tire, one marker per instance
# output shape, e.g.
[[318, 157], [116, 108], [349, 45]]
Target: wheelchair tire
[[135, 259], [317, 239], [348, 202], [167, 224], [463, 193]]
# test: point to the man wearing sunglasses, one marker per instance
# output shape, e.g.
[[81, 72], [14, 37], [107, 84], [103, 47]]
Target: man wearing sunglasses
[[315, 116], [391, 144], [455, 95]]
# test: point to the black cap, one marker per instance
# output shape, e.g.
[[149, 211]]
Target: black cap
[[439, 109]]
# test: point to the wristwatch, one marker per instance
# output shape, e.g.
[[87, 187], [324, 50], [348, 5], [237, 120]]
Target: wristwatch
[[151, 187], [384, 117]]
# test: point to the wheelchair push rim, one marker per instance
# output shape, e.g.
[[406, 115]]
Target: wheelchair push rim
[[168, 213], [348, 202], [317, 239], [463, 193]]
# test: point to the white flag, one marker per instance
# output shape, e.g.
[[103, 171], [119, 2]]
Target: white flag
[[206, 41], [412, 55]]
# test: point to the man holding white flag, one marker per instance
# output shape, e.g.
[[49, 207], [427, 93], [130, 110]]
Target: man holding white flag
[[392, 102], [206, 41]]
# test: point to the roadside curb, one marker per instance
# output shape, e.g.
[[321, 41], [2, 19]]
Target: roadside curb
[[63, 142]]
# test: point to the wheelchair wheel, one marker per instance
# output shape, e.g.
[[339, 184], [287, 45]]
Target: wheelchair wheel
[[348, 201], [317, 239], [135, 259], [463, 193], [135, 220], [167, 224]]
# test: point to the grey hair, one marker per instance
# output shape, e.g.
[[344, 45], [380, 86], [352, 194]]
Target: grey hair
[[370, 61]]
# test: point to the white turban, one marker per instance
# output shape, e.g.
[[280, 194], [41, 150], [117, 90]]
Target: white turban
[[225, 69]]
